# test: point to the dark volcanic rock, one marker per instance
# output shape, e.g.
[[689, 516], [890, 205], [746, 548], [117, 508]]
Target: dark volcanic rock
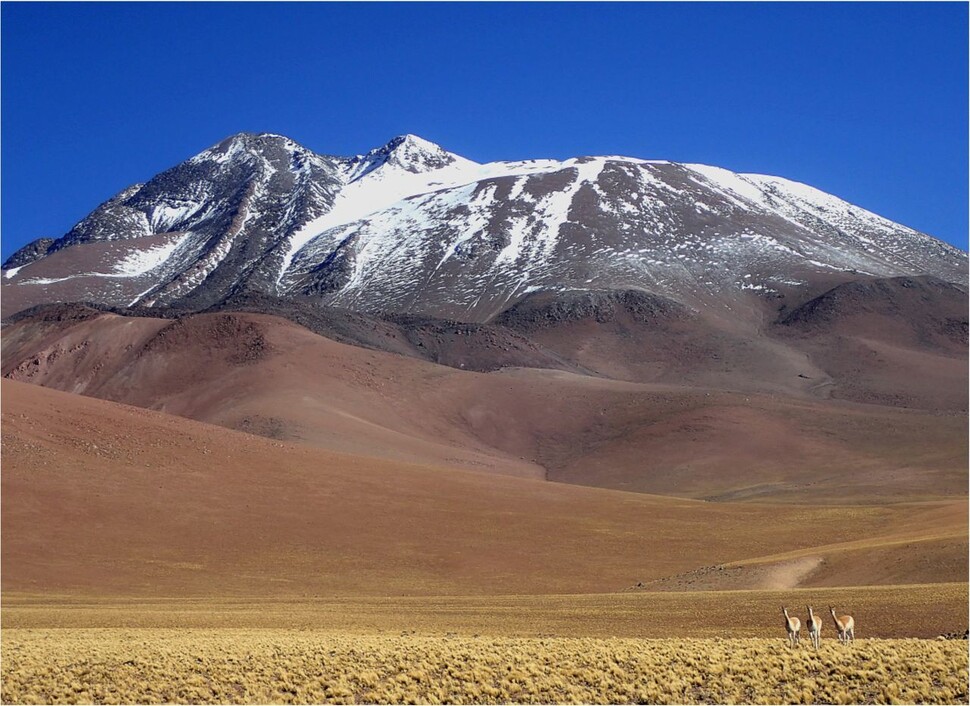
[[554, 308], [72, 311], [28, 253], [470, 346], [899, 341]]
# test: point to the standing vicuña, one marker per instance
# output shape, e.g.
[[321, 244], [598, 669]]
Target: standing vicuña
[[845, 625], [814, 626], [792, 625]]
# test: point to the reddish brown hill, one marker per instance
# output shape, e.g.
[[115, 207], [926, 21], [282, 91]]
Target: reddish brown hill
[[268, 376], [634, 336], [254, 373], [713, 444], [107, 499], [899, 341], [468, 346]]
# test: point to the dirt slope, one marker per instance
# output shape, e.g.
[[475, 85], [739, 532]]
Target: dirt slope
[[101, 498], [900, 341], [267, 376]]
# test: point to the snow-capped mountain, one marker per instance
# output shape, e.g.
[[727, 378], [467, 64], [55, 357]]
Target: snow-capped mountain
[[410, 227]]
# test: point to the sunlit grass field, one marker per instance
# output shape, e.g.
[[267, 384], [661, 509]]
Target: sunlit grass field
[[636, 647], [287, 666]]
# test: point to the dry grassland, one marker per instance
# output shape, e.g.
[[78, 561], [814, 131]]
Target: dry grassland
[[706, 647], [274, 666]]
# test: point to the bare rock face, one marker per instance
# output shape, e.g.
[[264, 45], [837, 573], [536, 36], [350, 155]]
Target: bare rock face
[[550, 309], [28, 253], [410, 228]]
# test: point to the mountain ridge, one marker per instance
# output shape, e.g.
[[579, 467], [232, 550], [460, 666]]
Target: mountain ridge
[[414, 229]]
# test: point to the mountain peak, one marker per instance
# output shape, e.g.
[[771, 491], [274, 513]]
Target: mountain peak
[[244, 144], [406, 152], [254, 138], [410, 143]]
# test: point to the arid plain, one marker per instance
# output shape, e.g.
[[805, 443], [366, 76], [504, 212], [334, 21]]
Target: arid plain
[[255, 513]]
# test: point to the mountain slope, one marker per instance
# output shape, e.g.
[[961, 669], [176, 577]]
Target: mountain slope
[[411, 228], [109, 500], [899, 341], [267, 376]]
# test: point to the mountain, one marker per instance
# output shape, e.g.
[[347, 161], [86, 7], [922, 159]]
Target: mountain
[[757, 431], [410, 228], [639, 371]]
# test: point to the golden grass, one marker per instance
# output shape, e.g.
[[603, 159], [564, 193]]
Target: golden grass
[[635, 647], [292, 666]]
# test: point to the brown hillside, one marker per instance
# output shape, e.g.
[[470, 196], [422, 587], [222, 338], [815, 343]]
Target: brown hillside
[[101, 498], [267, 376], [899, 341]]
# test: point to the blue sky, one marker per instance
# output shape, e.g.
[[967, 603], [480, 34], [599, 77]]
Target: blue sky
[[865, 100]]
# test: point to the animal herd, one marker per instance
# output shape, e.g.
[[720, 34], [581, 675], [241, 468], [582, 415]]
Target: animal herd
[[844, 624]]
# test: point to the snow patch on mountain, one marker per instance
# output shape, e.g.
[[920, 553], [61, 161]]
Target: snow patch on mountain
[[139, 262], [208, 263], [731, 184], [382, 187], [166, 215]]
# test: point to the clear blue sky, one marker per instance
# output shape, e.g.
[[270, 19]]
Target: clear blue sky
[[866, 100]]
